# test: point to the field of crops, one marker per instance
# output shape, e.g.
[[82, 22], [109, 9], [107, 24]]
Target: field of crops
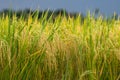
[[59, 49]]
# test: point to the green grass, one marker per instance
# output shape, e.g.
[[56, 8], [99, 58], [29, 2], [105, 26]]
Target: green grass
[[64, 49]]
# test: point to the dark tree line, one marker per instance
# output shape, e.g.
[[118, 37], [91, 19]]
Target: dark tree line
[[25, 13], [38, 14]]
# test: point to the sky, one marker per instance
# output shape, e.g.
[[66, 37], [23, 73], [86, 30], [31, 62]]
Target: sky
[[107, 7]]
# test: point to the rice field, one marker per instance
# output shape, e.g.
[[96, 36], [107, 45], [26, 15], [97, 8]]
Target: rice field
[[63, 49]]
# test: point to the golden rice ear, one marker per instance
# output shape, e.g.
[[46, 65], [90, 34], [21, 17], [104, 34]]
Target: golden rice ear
[[118, 56], [117, 53]]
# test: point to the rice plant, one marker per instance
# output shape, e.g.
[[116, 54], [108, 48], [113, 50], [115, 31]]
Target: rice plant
[[63, 49]]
